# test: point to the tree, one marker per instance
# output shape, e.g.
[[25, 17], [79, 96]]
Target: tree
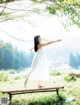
[[74, 61], [6, 57], [67, 9], [78, 60]]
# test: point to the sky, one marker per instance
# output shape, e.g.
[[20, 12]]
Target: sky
[[47, 27]]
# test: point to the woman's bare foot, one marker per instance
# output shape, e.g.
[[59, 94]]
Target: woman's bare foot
[[40, 86]]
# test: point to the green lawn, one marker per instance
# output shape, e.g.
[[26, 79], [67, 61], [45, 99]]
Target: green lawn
[[72, 89]]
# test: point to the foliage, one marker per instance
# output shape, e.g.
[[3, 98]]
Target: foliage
[[3, 77], [16, 77], [7, 46], [68, 9], [1, 1], [12, 72], [51, 10], [55, 72], [69, 78]]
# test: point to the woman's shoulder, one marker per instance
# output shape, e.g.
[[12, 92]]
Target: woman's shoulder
[[40, 46]]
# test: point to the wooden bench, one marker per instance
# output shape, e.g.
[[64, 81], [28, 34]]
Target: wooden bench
[[17, 91]]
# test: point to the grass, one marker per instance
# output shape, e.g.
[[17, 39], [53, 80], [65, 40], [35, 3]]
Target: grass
[[55, 72], [72, 88]]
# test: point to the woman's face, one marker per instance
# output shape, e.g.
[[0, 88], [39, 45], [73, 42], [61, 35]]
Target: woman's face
[[39, 39]]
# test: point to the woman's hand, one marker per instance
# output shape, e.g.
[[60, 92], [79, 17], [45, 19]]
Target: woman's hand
[[31, 49]]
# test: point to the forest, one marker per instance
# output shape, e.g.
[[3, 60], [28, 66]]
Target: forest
[[12, 58]]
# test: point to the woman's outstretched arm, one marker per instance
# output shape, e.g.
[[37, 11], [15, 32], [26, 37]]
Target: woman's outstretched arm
[[48, 43], [51, 42]]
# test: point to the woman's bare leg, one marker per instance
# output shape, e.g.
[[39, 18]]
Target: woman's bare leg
[[25, 83]]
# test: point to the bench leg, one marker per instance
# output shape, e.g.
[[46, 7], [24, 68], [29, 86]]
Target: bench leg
[[57, 91], [10, 98]]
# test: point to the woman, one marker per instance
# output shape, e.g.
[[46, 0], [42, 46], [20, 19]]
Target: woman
[[39, 69]]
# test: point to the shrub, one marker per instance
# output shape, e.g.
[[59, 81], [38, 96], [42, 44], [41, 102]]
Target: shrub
[[55, 72], [12, 71], [3, 77], [17, 77], [69, 78]]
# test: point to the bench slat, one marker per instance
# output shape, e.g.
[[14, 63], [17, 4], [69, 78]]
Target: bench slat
[[32, 89]]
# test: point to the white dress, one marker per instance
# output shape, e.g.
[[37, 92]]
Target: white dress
[[39, 68]]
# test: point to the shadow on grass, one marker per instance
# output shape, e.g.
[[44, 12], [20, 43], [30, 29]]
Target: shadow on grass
[[45, 101]]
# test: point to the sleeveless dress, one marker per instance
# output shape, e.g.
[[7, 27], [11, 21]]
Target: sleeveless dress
[[39, 69]]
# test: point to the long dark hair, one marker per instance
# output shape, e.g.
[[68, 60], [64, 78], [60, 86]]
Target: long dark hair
[[36, 42]]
